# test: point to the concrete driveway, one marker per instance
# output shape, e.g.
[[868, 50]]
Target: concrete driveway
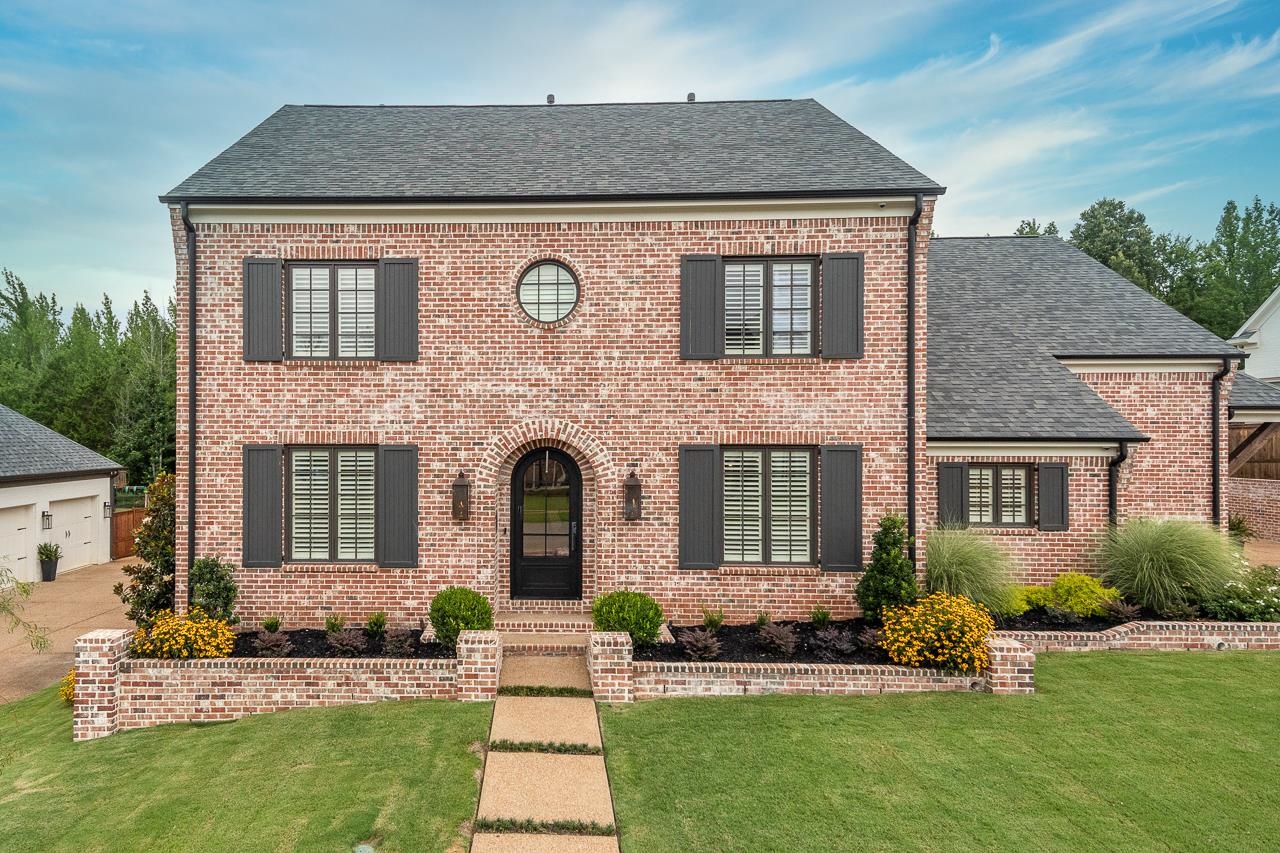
[[1262, 552], [74, 604]]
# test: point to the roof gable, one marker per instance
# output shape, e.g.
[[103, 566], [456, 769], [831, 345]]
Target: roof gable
[[710, 149]]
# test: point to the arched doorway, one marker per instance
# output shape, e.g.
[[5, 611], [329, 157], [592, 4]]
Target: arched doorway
[[546, 526]]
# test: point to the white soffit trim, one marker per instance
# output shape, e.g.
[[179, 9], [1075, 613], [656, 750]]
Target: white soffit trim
[[1142, 365], [1021, 448], [622, 211], [1255, 416]]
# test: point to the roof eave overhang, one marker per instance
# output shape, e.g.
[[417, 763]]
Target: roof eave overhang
[[59, 476], [178, 198], [1029, 447], [1253, 414]]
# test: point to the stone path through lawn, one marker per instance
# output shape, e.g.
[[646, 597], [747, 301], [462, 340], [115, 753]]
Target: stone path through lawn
[[547, 771]]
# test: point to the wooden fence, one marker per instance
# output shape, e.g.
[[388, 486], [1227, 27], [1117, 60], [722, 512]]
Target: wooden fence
[[123, 523]]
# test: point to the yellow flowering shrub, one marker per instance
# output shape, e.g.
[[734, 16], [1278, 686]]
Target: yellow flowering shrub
[[192, 636], [940, 630], [67, 687]]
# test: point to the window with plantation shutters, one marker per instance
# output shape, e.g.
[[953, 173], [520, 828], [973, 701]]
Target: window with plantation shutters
[[332, 310], [999, 495], [332, 502], [768, 307], [744, 309], [767, 505]]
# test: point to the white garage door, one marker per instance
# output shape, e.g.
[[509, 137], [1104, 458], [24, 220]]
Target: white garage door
[[73, 529], [17, 542]]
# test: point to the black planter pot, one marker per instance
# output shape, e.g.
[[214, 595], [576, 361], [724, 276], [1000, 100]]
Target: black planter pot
[[48, 570]]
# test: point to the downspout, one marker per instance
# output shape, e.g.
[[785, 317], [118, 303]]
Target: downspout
[[912, 228], [1113, 481], [191, 393], [1216, 432]]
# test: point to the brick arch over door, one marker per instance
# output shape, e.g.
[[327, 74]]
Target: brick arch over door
[[493, 481]]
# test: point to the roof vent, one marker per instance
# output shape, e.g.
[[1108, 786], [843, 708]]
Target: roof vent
[[691, 97], [551, 99]]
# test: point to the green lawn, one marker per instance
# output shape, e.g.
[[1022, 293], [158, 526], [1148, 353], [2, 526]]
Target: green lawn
[[398, 772], [1117, 751]]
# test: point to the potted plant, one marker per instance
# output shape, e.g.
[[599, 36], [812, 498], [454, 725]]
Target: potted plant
[[49, 555]]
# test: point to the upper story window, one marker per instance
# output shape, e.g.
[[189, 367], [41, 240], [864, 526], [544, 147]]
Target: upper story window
[[548, 292], [768, 496], [331, 504], [331, 310], [768, 307], [1000, 495]]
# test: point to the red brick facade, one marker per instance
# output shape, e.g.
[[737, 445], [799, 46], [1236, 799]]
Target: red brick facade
[[609, 387], [1258, 503]]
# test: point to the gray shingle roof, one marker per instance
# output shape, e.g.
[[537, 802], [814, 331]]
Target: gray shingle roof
[[29, 450], [1002, 308], [457, 153], [1250, 392]]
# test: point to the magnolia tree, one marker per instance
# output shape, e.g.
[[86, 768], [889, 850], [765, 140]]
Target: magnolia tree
[[149, 588]]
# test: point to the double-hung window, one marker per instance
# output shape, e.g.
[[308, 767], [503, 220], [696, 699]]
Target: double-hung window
[[768, 500], [769, 307], [331, 310], [331, 510], [1000, 495]]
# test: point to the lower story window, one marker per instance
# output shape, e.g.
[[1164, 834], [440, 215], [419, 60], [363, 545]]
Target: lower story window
[[768, 498], [331, 504], [1000, 494]]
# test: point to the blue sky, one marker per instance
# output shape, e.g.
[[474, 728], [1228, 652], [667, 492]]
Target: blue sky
[[1020, 109]]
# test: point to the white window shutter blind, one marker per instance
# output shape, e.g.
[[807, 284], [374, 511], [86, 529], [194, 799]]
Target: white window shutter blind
[[744, 309], [355, 312], [355, 504], [309, 489], [743, 506], [790, 527]]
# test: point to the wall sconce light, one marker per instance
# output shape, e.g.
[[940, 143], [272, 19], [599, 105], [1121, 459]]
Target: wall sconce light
[[461, 497], [633, 497], [46, 520], [106, 509]]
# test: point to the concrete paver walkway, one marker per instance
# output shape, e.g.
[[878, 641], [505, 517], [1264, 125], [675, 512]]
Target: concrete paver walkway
[[77, 602], [543, 785]]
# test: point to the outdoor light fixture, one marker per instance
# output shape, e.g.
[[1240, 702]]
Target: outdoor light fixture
[[106, 509], [633, 497], [461, 497], [46, 520]]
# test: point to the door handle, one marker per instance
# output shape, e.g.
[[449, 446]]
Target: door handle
[[573, 536]]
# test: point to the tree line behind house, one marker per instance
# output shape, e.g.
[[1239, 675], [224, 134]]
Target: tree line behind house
[[1218, 283], [107, 384]]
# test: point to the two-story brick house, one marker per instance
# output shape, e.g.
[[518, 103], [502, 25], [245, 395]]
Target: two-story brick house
[[684, 348]]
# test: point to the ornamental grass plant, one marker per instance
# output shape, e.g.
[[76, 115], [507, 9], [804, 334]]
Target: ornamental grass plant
[[964, 562], [1169, 567]]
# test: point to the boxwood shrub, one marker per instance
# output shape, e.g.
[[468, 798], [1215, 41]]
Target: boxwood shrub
[[634, 612], [457, 609]]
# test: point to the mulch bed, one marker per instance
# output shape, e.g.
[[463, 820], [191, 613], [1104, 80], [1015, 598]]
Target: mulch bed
[[1039, 620], [313, 643], [741, 644]]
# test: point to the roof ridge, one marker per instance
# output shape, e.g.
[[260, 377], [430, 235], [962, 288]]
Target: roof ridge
[[557, 104]]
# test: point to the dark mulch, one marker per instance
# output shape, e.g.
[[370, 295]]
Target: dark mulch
[[741, 644], [313, 643], [1039, 620]]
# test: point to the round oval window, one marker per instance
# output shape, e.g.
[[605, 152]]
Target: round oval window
[[548, 292]]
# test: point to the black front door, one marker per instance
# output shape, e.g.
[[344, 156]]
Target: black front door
[[546, 527]]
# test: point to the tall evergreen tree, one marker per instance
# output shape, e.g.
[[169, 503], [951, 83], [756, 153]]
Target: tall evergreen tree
[[1117, 235]]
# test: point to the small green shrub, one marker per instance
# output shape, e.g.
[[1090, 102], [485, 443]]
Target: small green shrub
[[1253, 598], [214, 589], [820, 617], [780, 639], [763, 618], [964, 562], [334, 622], [1238, 527], [271, 624], [890, 579], [700, 644], [712, 620], [1071, 594], [1165, 566], [457, 609], [634, 612], [376, 625], [48, 551]]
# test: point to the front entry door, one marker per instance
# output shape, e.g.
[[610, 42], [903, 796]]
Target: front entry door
[[546, 527]]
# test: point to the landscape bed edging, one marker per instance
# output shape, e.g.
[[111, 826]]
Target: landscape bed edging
[[1152, 635], [116, 692]]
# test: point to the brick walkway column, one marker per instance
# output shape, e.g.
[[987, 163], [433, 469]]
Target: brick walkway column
[[479, 662], [609, 663], [1013, 667], [97, 702]]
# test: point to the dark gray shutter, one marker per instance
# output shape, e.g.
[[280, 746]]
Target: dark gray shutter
[[701, 306], [701, 521], [840, 474], [397, 506], [396, 309], [1054, 513], [953, 493], [263, 309], [842, 305], [263, 478]]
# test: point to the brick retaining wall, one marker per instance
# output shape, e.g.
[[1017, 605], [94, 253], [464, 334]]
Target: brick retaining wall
[[115, 692], [1155, 636], [616, 677]]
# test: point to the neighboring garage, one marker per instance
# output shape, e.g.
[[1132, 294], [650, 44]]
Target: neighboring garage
[[51, 490]]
